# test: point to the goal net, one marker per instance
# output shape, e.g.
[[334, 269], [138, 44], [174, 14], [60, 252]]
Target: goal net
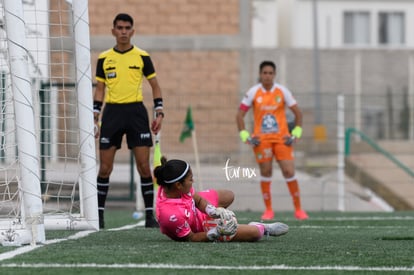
[[47, 146]]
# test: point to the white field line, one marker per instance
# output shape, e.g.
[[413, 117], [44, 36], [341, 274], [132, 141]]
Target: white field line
[[367, 218], [212, 267], [350, 226], [28, 248], [130, 226], [78, 235]]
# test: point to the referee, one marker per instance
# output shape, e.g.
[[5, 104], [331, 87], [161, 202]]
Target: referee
[[119, 74]]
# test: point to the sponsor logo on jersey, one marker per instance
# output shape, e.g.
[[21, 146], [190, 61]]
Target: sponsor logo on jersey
[[268, 107], [173, 218], [269, 124]]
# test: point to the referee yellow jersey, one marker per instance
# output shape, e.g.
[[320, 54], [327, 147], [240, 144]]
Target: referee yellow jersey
[[122, 73]]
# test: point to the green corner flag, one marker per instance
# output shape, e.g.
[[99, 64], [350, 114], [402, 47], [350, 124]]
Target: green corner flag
[[188, 125]]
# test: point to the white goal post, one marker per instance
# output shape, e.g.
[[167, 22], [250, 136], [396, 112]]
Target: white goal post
[[47, 144]]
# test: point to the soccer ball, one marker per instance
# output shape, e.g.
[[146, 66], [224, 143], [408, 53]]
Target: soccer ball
[[227, 227], [223, 227], [136, 215]]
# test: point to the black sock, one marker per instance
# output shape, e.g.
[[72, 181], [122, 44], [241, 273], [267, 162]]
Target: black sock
[[147, 190], [102, 186]]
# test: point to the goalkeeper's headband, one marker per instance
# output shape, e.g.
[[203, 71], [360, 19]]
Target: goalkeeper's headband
[[180, 177]]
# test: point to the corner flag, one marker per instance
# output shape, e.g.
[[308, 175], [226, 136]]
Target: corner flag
[[188, 125], [189, 131]]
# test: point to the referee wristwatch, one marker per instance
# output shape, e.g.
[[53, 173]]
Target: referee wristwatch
[[159, 114]]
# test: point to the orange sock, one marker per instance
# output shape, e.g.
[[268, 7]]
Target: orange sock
[[267, 196], [294, 192]]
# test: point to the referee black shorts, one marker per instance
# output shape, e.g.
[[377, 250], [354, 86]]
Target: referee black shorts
[[130, 119]]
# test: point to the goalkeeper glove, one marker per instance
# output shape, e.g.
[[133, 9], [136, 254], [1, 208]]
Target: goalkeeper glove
[[297, 132], [244, 135], [223, 228], [212, 234], [219, 212], [227, 227], [246, 138]]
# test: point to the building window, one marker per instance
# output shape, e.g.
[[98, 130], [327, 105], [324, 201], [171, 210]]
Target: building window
[[357, 28], [264, 24], [391, 29]]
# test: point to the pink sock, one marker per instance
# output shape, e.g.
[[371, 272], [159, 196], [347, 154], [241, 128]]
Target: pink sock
[[261, 229]]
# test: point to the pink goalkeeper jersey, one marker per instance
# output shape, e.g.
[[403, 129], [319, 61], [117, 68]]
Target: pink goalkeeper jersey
[[178, 217]]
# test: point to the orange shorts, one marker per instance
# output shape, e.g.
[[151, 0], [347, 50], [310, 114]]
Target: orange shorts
[[265, 151]]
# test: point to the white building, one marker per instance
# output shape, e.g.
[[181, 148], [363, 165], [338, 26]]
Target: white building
[[340, 23]]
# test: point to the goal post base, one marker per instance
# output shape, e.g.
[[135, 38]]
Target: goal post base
[[17, 235], [55, 222]]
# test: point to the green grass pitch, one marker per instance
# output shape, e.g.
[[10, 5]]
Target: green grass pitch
[[327, 243]]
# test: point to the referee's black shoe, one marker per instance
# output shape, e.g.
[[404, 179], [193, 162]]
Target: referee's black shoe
[[151, 222]]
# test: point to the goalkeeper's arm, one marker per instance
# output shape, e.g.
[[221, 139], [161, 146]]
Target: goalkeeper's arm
[[212, 211], [200, 202], [198, 237]]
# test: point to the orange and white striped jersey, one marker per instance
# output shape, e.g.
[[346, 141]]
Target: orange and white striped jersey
[[269, 114]]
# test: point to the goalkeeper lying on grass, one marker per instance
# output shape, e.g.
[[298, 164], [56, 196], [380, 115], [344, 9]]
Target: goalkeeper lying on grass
[[186, 215]]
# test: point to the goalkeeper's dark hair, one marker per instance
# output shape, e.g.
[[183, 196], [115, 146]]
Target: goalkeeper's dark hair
[[171, 171], [267, 63], [123, 17]]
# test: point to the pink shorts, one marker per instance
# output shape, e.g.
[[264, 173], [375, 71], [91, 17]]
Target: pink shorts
[[210, 195]]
